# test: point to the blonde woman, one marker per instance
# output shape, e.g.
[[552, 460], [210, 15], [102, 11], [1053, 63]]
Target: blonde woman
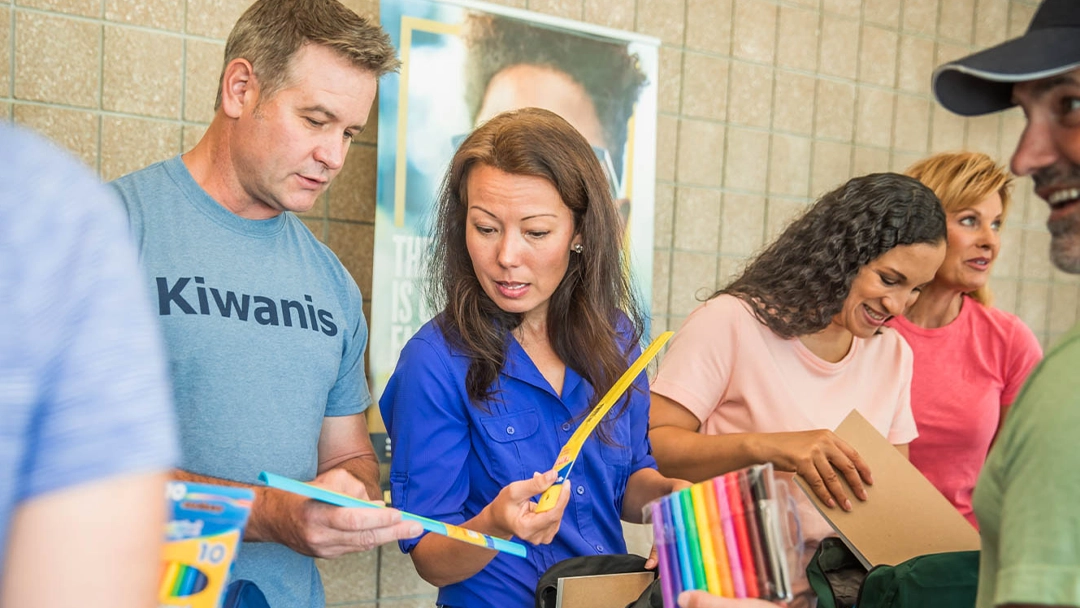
[[970, 358]]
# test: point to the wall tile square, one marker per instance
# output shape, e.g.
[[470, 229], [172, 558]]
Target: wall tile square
[[870, 160], [1004, 293], [793, 103], [1019, 18], [843, 7], [667, 141], [991, 22], [741, 223], [129, 144], [369, 9], [160, 14], [747, 160], [1060, 277], [354, 245], [877, 57], [697, 219], [835, 110], [728, 270], [192, 135], [618, 14], [750, 94], [5, 51], [916, 64], [317, 226], [203, 61], [5, 111], [1036, 262], [901, 160], [830, 167], [957, 20], [948, 51], [352, 193], [708, 25], [142, 72], [397, 575], [920, 16], [692, 280], [911, 132], [660, 287], [874, 116], [754, 32], [1032, 304], [779, 213], [983, 134], [669, 89], [882, 12], [839, 46], [57, 59], [947, 130], [664, 215], [351, 578], [85, 8], [1007, 264], [1062, 313], [214, 18], [665, 19], [74, 130], [567, 9], [797, 45], [789, 166], [701, 152], [705, 86]]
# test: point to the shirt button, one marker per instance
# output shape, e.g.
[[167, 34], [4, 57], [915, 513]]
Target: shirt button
[[599, 548], [510, 430], [566, 426], [580, 490]]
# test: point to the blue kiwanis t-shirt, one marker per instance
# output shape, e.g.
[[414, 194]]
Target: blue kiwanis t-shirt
[[265, 335]]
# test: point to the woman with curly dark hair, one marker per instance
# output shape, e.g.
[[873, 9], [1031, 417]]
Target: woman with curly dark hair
[[537, 321], [769, 365]]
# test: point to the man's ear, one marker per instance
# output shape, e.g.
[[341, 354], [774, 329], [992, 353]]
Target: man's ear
[[238, 87]]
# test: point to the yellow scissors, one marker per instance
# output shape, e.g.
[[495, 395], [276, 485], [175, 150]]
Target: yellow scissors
[[569, 453]]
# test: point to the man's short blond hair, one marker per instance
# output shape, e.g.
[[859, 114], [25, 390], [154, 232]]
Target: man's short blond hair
[[271, 32]]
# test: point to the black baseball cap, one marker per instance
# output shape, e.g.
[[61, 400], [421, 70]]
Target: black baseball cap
[[982, 83]]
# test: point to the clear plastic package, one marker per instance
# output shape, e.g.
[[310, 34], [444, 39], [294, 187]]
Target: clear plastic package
[[736, 535]]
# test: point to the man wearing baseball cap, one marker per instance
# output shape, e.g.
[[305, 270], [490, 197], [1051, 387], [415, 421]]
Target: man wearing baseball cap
[[1027, 498]]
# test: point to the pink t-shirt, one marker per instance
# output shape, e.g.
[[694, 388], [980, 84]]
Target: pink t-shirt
[[965, 373], [737, 376]]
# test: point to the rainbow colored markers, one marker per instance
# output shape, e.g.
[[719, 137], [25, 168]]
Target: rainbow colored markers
[[723, 536], [181, 580]]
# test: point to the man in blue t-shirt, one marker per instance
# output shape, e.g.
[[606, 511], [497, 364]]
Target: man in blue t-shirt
[[86, 424], [263, 325]]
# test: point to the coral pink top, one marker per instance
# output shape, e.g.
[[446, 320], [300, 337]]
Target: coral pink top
[[965, 373]]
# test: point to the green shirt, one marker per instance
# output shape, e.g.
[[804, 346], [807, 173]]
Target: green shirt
[[1027, 499]]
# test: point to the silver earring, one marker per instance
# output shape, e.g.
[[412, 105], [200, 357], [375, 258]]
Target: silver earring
[[578, 248]]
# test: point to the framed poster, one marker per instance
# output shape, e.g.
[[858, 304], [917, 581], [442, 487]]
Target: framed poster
[[464, 62]]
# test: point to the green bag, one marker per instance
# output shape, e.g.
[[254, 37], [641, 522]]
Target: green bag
[[939, 580]]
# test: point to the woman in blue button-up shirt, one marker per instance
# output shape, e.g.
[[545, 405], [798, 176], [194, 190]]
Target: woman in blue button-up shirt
[[537, 321]]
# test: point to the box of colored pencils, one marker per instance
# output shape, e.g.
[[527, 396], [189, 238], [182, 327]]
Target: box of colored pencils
[[206, 523], [727, 536]]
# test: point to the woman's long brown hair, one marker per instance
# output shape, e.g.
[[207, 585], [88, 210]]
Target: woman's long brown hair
[[593, 318]]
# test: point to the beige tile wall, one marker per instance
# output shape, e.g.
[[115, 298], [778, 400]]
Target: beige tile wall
[[764, 104]]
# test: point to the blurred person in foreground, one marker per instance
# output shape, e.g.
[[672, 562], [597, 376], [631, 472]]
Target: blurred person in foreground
[[1027, 494], [87, 433]]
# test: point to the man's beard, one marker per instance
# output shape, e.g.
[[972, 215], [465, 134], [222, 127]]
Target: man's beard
[[1065, 242]]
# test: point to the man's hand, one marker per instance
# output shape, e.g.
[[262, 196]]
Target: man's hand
[[318, 529]]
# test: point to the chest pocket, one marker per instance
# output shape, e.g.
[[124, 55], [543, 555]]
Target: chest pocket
[[506, 445], [618, 454]]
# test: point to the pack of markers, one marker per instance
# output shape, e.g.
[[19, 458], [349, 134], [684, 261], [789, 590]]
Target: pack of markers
[[203, 532], [730, 536]]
